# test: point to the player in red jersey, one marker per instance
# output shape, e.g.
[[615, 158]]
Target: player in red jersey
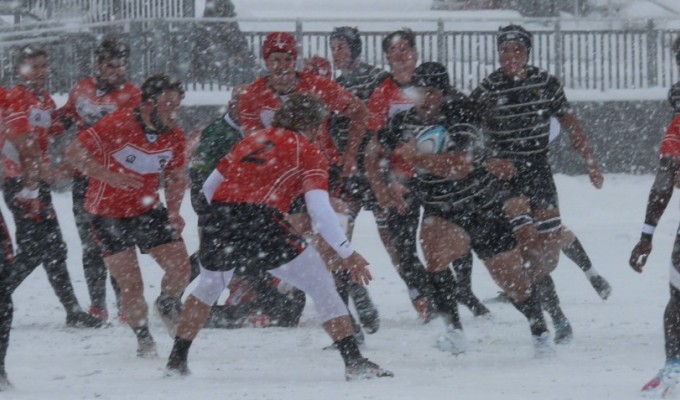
[[660, 194], [29, 159], [124, 155], [89, 101], [38, 235], [265, 96], [251, 191]]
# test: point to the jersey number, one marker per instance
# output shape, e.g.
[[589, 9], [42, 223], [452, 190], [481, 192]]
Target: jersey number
[[254, 157]]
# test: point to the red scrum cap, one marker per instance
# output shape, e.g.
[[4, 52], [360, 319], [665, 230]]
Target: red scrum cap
[[318, 65], [282, 42]]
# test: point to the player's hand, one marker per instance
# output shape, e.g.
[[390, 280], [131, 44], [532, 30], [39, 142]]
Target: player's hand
[[397, 193], [125, 181], [596, 177], [28, 201], [638, 257], [357, 267], [500, 168], [408, 151]]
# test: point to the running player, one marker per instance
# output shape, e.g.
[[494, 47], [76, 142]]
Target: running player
[[517, 101], [30, 108], [659, 196], [88, 102], [250, 192], [462, 201], [124, 155]]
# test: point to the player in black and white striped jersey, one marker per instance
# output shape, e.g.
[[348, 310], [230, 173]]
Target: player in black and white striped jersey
[[517, 101], [462, 198], [361, 79]]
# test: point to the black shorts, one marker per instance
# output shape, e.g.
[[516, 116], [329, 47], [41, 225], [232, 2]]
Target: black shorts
[[6, 253], [360, 192], [489, 229], [534, 180], [146, 231], [247, 236]]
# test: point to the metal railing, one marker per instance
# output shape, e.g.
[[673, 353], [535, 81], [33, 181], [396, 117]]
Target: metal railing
[[600, 56]]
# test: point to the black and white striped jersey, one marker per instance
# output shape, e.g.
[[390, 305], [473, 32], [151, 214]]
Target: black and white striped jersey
[[516, 113], [460, 118], [674, 97], [361, 82]]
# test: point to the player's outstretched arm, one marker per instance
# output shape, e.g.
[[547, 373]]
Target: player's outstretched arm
[[658, 199], [579, 140]]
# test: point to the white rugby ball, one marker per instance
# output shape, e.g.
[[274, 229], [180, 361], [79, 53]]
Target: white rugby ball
[[432, 139]]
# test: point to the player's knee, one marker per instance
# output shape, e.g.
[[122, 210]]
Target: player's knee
[[210, 286]]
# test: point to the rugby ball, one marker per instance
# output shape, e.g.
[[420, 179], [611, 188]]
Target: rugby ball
[[432, 139]]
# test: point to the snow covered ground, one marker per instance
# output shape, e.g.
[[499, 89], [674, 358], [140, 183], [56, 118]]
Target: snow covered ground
[[618, 343]]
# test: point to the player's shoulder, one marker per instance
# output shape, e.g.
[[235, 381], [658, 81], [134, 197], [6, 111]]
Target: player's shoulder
[[88, 84]]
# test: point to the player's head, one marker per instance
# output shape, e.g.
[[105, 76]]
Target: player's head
[[400, 50], [302, 112], [431, 84], [514, 33], [346, 46], [514, 46], [319, 66], [279, 52], [31, 65], [112, 56], [161, 98]]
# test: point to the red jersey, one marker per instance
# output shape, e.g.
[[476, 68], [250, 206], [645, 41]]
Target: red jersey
[[86, 104], [3, 110], [271, 167], [119, 142], [29, 111], [670, 145], [324, 141], [387, 101], [260, 102]]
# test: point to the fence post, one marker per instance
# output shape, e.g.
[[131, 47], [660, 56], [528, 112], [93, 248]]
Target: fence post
[[441, 43], [652, 73], [189, 9], [298, 39], [559, 52], [117, 11]]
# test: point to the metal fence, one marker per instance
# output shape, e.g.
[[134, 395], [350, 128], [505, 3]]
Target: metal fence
[[106, 10], [599, 56]]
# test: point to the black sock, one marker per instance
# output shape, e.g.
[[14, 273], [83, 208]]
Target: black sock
[[444, 285], [349, 350], [60, 280], [550, 302], [576, 253], [671, 323], [342, 283], [142, 332], [180, 350], [462, 267], [531, 308], [167, 303], [6, 314]]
